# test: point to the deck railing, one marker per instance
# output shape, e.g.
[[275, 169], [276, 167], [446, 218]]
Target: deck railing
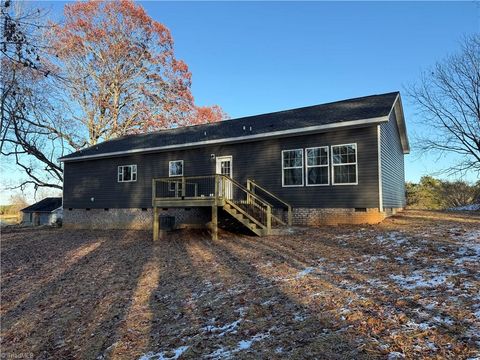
[[192, 187]]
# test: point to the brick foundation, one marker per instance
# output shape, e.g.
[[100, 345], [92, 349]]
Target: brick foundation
[[137, 219], [331, 216], [143, 220]]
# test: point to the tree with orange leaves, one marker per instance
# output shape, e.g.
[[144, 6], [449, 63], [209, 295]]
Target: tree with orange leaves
[[106, 71], [121, 71]]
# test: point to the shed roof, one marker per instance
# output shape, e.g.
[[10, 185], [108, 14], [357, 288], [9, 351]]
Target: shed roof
[[358, 111], [46, 205]]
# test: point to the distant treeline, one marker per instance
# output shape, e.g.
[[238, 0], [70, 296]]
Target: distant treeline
[[17, 202], [7, 210], [435, 194]]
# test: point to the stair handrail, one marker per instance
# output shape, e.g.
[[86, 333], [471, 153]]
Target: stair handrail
[[266, 204], [249, 192], [287, 205]]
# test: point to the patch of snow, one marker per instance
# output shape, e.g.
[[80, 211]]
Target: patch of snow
[[431, 345], [372, 258], [469, 251], [225, 329], [477, 314], [304, 272], [443, 320], [471, 207], [431, 306], [267, 302], [412, 252], [395, 355], [223, 353], [468, 236], [299, 317], [393, 238], [246, 344], [164, 355], [421, 326], [427, 278], [241, 311]]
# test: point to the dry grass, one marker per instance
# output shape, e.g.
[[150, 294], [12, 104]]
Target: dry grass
[[407, 287]]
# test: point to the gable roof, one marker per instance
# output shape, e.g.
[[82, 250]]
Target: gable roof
[[361, 111], [46, 205]]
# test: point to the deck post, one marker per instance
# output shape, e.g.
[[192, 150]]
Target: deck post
[[214, 222], [269, 220], [156, 223], [290, 217]]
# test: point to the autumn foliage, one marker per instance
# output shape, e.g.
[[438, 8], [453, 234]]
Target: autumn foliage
[[121, 71]]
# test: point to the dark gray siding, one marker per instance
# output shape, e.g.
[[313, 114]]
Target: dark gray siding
[[260, 161], [393, 168]]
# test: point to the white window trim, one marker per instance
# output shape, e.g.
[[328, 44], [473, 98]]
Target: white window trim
[[315, 166], [355, 163], [294, 167], [183, 169], [120, 171]]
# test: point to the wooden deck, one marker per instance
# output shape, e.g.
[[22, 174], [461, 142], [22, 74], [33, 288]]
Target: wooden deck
[[215, 191]]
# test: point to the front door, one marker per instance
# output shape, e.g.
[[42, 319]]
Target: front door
[[225, 167]]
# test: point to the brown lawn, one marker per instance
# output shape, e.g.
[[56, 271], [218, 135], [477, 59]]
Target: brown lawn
[[409, 287]]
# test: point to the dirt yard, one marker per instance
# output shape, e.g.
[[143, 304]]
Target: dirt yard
[[407, 288]]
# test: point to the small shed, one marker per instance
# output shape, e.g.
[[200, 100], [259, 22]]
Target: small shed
[[44, 212]]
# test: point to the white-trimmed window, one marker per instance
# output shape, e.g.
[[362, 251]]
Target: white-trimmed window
[[127, 173], [317, 169], [292, 167], [344, 164], [175, 168]]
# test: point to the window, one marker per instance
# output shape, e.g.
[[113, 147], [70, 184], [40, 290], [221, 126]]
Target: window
[[344, 162], [127, 173], [292, 167], [175, 168], [317, 166]]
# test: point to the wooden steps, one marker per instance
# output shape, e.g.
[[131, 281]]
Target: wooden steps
[[242, 217]]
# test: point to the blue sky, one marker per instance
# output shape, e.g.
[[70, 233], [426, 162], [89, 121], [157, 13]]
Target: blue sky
[[256, 57]]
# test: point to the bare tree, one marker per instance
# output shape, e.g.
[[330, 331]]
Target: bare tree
[[17, 202], [448, 98], [29, 133], [458, 193]]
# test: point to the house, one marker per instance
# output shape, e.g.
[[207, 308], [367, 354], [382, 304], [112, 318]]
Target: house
[[334, 163], [44, 212]]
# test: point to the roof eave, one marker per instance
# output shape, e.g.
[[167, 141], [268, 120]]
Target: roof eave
[[272, 134]]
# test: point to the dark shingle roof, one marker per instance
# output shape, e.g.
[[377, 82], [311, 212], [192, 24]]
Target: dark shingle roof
[[367, 107], [46, 205]]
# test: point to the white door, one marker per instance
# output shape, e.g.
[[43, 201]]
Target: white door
[[225, 167]]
